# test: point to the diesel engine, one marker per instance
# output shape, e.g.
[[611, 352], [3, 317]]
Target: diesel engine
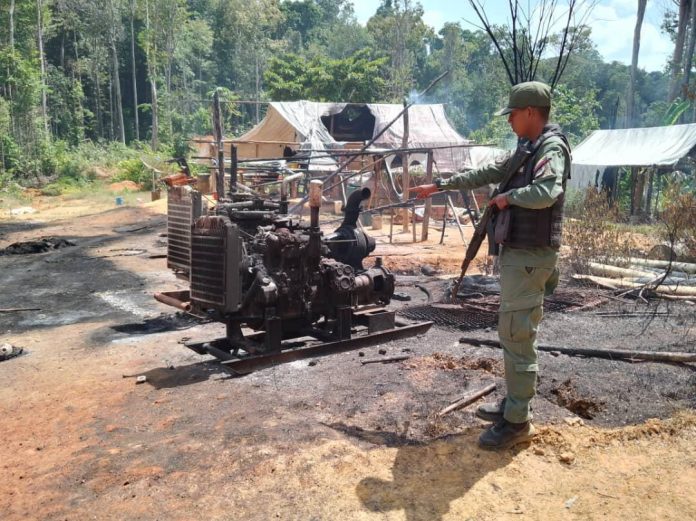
[[251, 264]]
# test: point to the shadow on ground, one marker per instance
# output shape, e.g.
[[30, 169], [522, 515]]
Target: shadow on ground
[[427, 477], [170, 377]]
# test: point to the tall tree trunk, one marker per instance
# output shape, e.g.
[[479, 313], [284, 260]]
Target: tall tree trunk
[[97, 100], [118, 100], [135, 75], [112, 132], [678, 55], [12, 27], [155, 118], [152, 76], [689, 53], [42, 59], [9, 74], [257, 89], [630, 102]]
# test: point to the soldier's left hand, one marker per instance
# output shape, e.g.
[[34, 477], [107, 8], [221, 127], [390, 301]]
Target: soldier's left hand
[[500, 200]]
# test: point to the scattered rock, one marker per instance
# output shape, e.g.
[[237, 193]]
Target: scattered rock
[[8, 351], [571, 502], [360, 353], [141, 379], [401, 296], [539, 451], [574, 422], [567, 457], [312, 363], [382, 351], [428, 270]]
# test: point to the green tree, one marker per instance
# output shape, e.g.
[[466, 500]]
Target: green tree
[[357, 78], [399, 32]]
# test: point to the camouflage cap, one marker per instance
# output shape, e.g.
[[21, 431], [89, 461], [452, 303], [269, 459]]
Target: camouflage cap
[[527, 94]]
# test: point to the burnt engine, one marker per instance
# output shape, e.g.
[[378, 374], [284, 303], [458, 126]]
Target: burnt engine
[[253, 264]]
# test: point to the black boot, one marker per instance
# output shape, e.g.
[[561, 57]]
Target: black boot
[[505, 434], [492, 412]]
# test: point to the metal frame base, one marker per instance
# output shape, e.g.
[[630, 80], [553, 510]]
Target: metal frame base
[[234, 357]]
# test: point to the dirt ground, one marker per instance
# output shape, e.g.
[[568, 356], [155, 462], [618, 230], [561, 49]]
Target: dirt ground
[[334, 440]]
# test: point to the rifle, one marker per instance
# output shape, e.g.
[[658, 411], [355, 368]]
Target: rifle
[[517, 161]]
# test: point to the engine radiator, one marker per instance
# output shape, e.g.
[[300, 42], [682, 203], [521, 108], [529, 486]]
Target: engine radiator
[[184, 206], [216, 251]]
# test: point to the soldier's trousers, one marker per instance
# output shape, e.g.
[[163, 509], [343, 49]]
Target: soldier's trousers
[[522, 291]]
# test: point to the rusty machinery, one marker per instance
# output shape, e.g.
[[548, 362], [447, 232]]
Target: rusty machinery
[[252, 265]]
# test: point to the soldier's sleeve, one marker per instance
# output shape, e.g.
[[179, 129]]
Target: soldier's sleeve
[[547, 185], [493, 173]]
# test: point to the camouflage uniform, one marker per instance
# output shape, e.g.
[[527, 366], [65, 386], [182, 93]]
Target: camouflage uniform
[[526, 274]]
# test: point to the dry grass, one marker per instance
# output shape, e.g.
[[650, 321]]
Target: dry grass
[[591, 233], [678, 218]]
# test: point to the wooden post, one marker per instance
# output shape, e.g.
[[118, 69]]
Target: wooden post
[[428, 200], [444, 225], [413, 208], [648, 201], [220, 179], [377, 173], [405, 177], [217, 128], [391, 225], [233, 168], [634, 177], [344, 195], [456, 218]]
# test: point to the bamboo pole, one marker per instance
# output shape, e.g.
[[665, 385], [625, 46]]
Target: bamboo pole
[[662, 289], [605, 270], [686, 267]]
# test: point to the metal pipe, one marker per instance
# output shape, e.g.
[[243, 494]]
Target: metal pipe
[[352, 208], [285, 183], [171, 301]]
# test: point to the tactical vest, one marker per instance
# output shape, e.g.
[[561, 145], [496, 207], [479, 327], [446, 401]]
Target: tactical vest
[[525, 228]]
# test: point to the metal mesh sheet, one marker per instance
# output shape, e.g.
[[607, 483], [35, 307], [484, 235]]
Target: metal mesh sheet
[[480, 311]]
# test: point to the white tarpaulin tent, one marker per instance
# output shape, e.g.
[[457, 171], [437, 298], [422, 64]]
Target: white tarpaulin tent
[[653, 146], [299, 124]]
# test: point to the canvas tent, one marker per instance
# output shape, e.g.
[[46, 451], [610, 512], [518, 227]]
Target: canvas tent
[[307, 125], [639, 147]]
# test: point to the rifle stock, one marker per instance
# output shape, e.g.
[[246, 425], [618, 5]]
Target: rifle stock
[[517, 161]]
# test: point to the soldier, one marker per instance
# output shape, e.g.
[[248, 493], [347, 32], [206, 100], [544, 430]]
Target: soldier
[[528, 228]]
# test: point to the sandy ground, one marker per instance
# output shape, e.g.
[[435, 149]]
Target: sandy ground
[[331, 441]]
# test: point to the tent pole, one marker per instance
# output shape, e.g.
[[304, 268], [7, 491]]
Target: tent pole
[[428, 200], [405, 177]]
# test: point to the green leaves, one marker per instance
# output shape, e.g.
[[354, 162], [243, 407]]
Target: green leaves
[[358, 78], [675, 111]]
